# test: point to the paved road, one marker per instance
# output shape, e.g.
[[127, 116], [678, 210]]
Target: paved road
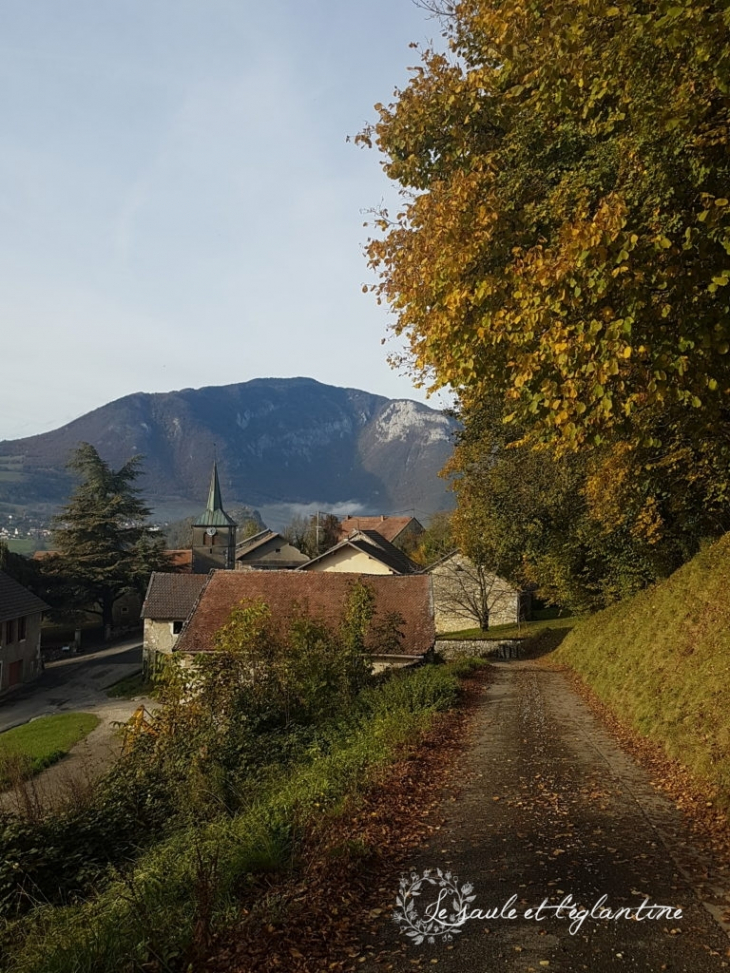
[[76, 683], [544, 806]]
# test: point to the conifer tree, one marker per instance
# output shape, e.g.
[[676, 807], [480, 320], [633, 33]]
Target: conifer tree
[[105, 547]]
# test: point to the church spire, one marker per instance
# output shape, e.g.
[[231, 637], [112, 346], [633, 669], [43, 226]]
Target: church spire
[[214, 515], [214, 494], [214, 533]]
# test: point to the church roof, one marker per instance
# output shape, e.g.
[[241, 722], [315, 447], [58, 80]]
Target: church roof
[[214, 515]]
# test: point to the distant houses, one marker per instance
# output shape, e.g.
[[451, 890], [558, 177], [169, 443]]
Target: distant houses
[[21, 614], [402, 532], [183, 612], [364, 551], [268, 551]]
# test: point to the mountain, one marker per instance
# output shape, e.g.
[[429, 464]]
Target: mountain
[[281, 444]]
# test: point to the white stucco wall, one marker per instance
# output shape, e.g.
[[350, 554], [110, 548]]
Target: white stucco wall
[[347, 559]]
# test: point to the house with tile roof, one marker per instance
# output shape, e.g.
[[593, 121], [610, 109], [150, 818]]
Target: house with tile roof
[[21, 614], [268, 551], [324, 596], [170, 598], [364, 552], [403, 532]]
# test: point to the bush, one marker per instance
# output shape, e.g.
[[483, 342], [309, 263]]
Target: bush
[[168, 904]]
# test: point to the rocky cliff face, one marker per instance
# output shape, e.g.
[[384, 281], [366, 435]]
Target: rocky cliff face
[[279, 442]]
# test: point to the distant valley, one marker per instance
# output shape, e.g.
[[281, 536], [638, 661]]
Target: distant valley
[[283, 446]]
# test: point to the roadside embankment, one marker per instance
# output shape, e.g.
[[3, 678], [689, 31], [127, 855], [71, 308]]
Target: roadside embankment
[[661, 663]]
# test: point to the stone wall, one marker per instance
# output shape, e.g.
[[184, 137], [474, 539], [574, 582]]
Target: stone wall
[[482, 648], [158, 637]]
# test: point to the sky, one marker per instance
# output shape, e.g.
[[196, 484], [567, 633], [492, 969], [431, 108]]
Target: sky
[[179, 204]]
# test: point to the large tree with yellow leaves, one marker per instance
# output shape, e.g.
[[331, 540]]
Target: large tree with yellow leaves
[[564, 239]]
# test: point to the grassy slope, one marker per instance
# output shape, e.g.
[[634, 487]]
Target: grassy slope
[[661, 662], [526, 630]]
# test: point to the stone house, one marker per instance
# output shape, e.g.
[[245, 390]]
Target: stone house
[[169, 600], [268, 551], [467, 596], [21, 614], [403, 532], [364, 552], [324, 596]]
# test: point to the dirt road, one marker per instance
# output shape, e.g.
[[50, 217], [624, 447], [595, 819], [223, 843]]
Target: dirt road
[[545, 806]]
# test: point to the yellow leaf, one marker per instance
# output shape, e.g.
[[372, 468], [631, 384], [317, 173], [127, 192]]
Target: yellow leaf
[[627, 352]]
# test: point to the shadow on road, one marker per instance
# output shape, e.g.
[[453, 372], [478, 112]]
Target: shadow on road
[[544, 643]]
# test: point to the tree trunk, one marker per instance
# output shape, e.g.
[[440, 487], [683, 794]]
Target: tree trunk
[[107, 615]]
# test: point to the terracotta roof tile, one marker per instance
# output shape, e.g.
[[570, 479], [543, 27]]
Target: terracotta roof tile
[[322, 594], [387, 527], [172, 596]]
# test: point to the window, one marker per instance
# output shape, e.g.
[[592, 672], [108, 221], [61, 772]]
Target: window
[[10, 631], [177, 628], [21, 629]]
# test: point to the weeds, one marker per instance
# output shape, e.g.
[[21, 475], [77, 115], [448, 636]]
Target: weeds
[[166, 907]]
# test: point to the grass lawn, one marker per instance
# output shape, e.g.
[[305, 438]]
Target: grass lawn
[[132, 686], [525, 631], [22, 545], [42, 742]]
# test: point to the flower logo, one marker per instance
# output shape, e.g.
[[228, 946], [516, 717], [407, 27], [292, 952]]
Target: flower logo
[[443, 917]]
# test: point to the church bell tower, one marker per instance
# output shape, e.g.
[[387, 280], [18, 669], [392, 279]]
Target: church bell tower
[[214, 533]]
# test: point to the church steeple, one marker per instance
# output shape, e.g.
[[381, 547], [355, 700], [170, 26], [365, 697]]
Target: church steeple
[[214, 533], [214, 515]]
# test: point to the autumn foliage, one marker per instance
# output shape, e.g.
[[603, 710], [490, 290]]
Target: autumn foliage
[[563, 245]]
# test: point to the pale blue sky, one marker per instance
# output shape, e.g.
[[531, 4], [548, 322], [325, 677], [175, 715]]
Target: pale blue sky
[[178, 204]]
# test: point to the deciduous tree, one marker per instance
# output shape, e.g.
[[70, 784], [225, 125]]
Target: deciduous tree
[[563, 249], [565, 232]]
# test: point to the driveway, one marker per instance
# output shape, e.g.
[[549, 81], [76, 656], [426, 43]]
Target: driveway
[[546, 808]]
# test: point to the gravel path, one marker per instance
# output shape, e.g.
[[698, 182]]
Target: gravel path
[[544, 806]]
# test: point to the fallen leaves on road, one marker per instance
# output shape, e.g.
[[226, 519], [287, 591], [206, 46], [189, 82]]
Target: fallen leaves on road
[[318, 919]]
